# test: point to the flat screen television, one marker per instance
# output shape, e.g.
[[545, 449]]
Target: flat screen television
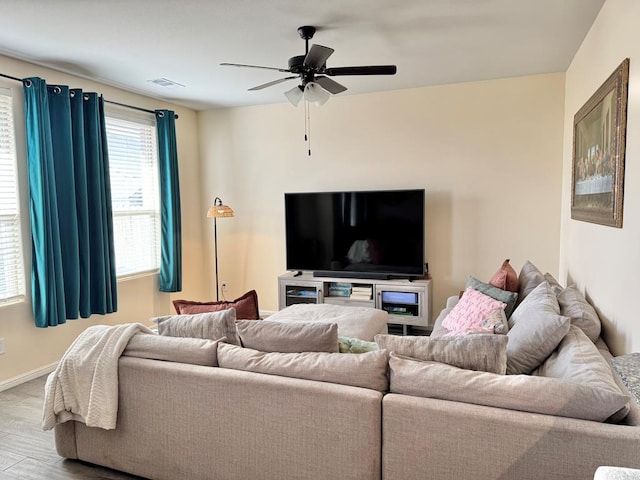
[[365, 234]]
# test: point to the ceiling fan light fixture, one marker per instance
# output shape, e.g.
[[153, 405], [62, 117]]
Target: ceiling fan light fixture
[[313, 92], [294, 95]]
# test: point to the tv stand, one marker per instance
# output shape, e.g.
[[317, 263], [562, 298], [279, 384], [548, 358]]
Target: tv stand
[[408, 301]]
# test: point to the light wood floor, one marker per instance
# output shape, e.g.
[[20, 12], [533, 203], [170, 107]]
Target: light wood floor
[[29, 453]]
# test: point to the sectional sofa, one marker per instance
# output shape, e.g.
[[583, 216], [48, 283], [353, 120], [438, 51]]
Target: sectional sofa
[[414, 408], [181, 420]]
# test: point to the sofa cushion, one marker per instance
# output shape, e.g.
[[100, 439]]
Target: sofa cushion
[[555, 285], [509, 298], [535, 330], [486, 352], [367, 370], [578, 360], [246, 306], [550, 396], [575, 306], [212, 325], [358, 322], [506, 278], [530, 277], [268, 336], [468, 314], [195, 351], [580, 312], [355, 345]]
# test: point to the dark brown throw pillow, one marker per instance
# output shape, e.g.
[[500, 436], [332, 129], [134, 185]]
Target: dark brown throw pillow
[[506, 278], [246, 306]]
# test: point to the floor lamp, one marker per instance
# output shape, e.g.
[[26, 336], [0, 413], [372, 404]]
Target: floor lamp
[[218, 210]]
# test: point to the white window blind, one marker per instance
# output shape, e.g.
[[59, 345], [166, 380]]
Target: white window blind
[[133, 165], [11, 264]]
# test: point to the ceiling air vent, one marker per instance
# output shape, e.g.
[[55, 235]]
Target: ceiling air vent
[[165, 82]]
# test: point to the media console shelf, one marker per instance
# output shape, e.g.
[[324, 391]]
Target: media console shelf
[[408, 302]]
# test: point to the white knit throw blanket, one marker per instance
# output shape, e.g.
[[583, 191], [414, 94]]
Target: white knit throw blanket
[[84, 385]]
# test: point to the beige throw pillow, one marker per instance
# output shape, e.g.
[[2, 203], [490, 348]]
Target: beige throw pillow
[[196, 351], [485, 352], [366, 370], [268, 336], [535, 330], [526, 393], [578, 360], [211, 325]]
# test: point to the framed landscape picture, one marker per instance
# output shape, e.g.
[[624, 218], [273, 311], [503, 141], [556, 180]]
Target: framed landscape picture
[[599, 132]]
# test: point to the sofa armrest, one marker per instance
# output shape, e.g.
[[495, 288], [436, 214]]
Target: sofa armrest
[[65, 435], [452, 301], [443, 439], [438, 329]]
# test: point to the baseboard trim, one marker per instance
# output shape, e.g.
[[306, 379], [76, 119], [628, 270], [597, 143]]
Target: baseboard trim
[[33, 374]]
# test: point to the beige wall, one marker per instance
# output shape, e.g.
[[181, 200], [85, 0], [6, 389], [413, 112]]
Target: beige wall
[[29, 348], [604, 261], [488, 153]]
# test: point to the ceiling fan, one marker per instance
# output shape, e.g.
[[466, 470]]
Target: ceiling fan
[[311, 68]]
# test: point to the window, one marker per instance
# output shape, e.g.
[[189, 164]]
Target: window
[[133, 166], [11, 264]]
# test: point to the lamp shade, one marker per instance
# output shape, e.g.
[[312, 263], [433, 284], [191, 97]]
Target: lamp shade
[[313, 92], [294, 95], [219, 210]]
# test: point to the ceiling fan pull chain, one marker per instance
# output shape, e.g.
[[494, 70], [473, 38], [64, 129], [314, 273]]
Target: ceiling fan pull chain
[[307, 125]]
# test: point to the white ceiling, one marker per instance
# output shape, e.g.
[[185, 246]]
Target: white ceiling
[[128, 42]]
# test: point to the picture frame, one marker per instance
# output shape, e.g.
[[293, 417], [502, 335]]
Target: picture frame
[[599, 136]]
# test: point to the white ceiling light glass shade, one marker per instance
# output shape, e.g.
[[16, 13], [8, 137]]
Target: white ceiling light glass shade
[[294, 95], [315, 93]]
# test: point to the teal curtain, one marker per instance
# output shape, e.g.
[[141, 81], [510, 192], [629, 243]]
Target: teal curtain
[[170, 217], [73, 267]]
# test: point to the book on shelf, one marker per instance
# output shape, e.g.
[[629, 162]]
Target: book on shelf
[[360, 296], [339, 285], [303, 293], [339, 292], [361, 289], [361, 293]]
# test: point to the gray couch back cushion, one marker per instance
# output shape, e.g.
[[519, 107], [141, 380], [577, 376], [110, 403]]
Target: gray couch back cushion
[[535, 330], [269, 336], [550, 396], [195, 351], [485, 352], [211, 325], [578, 360], [366, 370]]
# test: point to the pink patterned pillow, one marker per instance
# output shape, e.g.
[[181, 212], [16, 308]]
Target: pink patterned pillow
[[468, 314]]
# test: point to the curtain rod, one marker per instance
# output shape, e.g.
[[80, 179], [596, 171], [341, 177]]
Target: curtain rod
[[11, 78], [133, 107]]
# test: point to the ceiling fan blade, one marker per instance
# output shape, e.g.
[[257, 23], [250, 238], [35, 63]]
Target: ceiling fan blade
[[317, 56], [370, 70], [254, 66], [274, 82], [329, 85]]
